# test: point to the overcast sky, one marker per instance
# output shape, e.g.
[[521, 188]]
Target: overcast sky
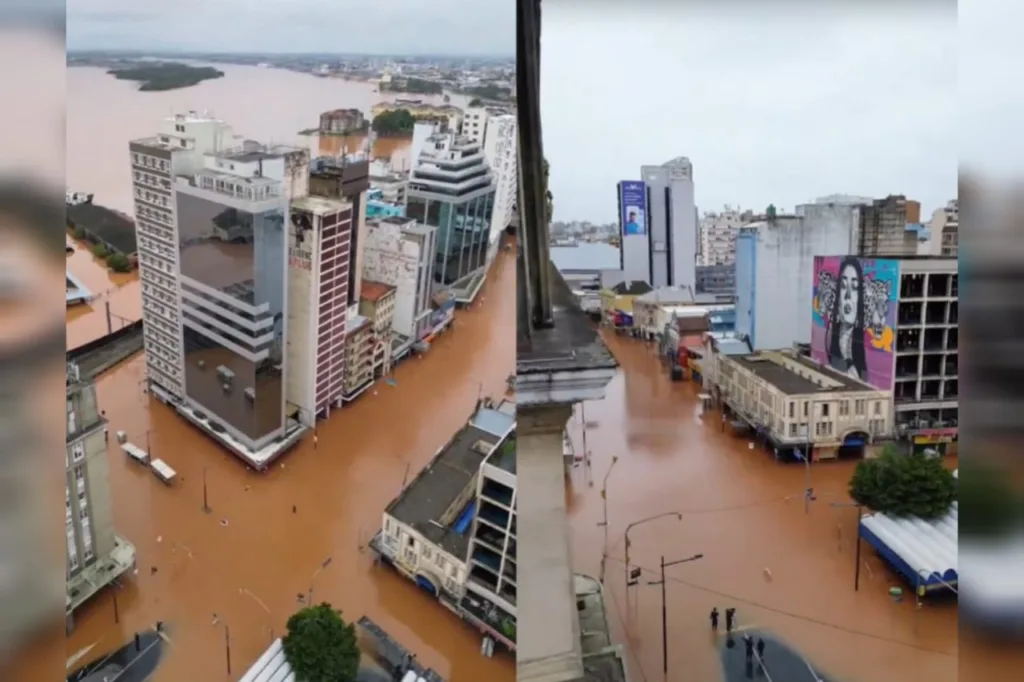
[[772, 107], [412, 27]]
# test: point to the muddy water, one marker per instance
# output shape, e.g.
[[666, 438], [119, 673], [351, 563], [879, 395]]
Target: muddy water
[[88, 322], [251, 540], [745, 514], [395, 149], [269, 105]]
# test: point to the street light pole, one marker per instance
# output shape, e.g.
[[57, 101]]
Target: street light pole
[[604, 504], [664, 606], [678, 516], [259, 601], [206, 499], [227, 646]]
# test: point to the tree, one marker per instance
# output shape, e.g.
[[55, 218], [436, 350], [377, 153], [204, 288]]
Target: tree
[[476, 102], [995, 509], [904, 485], [118, 262], [320, 646], [99, 250], [394, 123]]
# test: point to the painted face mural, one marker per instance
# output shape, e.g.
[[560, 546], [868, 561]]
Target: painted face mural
[[852, 330]]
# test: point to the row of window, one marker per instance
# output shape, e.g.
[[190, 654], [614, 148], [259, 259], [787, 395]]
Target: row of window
[[147, 161], [859, 408], [152, 180], [152, 197]]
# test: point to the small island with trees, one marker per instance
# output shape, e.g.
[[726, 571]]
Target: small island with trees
[[160, 76], [399, 123]]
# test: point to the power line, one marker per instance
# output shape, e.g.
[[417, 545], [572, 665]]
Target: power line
[[795, 616]]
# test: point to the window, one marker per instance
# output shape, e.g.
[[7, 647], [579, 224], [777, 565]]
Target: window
[[792, 427], [824, 409], [427, 553], [410, 542], [878, 408], [844, 408], [792, 409], [805, 409], [858, 407]]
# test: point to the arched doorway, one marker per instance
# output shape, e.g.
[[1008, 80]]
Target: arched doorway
[[426, 584], [853, 445]]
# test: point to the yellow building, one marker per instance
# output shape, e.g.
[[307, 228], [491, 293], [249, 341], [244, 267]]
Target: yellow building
[[618, 300], [358, 356], [377, 304]]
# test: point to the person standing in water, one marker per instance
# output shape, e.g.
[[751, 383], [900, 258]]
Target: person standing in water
[[714, 618]]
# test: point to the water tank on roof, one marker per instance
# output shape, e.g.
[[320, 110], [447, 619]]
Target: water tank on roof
[[770, 212]]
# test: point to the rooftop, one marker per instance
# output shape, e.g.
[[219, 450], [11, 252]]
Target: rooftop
[[769, 367], [116, 229], [395, 220], [571, 344], [634, 287], [586, 256], [374, 291], [318, 205], [425, 501]]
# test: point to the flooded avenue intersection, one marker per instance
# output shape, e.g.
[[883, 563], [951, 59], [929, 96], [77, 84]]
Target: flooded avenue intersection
[[193, 565], [785, 571]]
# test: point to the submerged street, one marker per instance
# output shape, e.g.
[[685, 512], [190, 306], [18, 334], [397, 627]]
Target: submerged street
[[786, 572], [243, 565]]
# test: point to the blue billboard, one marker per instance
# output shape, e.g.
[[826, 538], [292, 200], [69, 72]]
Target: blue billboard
[[633, 203]]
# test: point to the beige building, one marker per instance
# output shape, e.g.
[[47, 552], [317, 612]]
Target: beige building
[[377, 304], [358, 356], [795, 403], [95, 555]]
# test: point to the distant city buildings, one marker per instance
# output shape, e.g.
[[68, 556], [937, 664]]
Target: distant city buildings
[[96, 556], [718, 233], [944, 231], [342, 121]]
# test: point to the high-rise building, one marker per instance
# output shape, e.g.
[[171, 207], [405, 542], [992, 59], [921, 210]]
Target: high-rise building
[[944, 228], [176, 149], [232, 218], [500, 150], [319, 264], [400, 253], [672, 216], [889, 228], [718, 236], [452, 188], [96, 556]]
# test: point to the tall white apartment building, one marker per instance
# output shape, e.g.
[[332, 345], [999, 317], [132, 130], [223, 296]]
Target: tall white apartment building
[[944, 227], [176, 149], [496, 131], [718, 233]]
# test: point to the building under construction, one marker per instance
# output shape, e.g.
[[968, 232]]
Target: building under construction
[[889, 227]]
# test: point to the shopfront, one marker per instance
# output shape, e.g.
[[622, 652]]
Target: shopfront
[[942, 441]]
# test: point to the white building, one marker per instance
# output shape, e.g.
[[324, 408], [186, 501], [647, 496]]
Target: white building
[[775, 270], [400, 252], [801, 405], [501, 151], [176, 149], [944, 228], [718, 233]]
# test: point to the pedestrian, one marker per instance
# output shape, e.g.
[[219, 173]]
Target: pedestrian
[[295, 509], [714, 618], [760, 648], [730, 617], [315, 441], [748, 643]]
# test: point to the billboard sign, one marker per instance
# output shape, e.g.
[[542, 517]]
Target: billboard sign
[[633, 200], [854, 316]]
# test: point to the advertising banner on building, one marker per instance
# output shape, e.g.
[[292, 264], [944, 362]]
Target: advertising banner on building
[[633, 200]]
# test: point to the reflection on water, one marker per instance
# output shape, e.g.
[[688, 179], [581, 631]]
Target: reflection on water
[[784, 570]]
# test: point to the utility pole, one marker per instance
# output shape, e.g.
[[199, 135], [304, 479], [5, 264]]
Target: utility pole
[[633, 576], [206, 500], [227, 646], [664, 606], [604, 522]]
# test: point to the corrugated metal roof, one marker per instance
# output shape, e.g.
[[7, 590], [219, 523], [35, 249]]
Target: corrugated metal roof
[[586, 256], [732, 347]]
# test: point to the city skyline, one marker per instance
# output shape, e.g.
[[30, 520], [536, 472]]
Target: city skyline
[[413, 27], [761, 122]]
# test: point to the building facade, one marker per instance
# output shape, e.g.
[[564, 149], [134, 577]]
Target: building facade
[[452, 189], [401, 253], [716, 279], [944, 228], [718, 233], [889, 228], [176, 149], [672, 223], [378, 305], [319, 264], [802, 407], [341, 121], [233, 259], [775, 270], [894, 324], [96, 556], [500, 150], [358, 356]]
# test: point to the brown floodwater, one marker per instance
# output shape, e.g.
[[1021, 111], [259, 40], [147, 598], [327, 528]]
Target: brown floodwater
[[88, 321], [783, 569], [395, 149], [252, 542]]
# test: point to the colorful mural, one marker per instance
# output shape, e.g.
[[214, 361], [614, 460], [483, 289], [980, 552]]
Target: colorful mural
[[854, 316]]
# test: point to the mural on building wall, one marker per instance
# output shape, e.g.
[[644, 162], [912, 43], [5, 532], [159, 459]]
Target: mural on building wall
[[854, 315]]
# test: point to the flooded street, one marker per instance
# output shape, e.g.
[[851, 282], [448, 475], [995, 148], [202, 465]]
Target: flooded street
[[252, 548], [88, 321], [784, 570]]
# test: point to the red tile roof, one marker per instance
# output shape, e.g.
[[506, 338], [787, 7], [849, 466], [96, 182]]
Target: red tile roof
[[374, 291]]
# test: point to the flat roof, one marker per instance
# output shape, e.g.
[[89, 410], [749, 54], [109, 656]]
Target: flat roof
[[432, 492], [320, 205], [374, 291], [114, 228], [791, 383]]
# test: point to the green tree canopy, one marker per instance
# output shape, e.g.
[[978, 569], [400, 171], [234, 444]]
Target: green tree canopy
[[320, 646], [118, 262], [904, 485], [394, 123]]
